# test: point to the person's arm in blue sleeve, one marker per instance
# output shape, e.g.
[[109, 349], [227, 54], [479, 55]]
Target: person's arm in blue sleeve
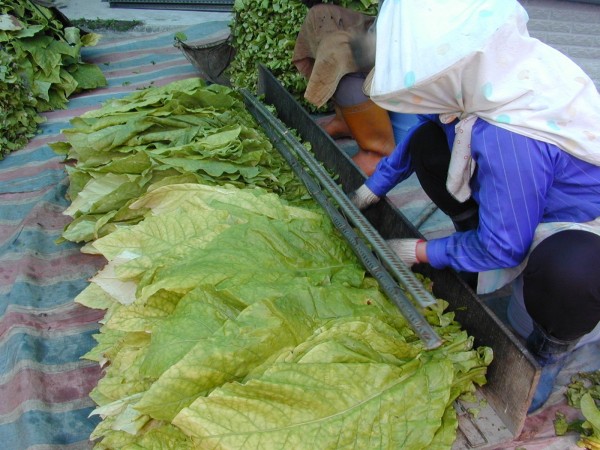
[[510, 183], [394, 168]]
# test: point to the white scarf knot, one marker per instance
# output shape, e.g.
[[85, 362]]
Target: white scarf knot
[[462, 165]]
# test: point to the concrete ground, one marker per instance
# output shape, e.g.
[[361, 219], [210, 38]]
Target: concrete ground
[[153, 19], [572, 27]]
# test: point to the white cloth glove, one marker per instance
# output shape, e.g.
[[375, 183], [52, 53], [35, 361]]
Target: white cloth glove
[[363, 197], [406, 249]]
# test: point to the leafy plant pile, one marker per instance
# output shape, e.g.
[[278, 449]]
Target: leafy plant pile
[[583, 393], [19, 118], [182, 132], [40, 68], [237, 321], [265, 32], [234, 317]]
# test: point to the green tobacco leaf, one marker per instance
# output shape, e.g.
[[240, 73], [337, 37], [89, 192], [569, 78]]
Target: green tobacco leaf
[[72, 35], [88, 76], [160, 241], [94, 297], [90, 39], [591, 413], [47, 61], [226, 261], [94, 191], [10, 23], [125, 356], [260, 331], [325, 405], [240, 203], [198, 315], [82, 229], [156, 436], [29, 31], [164, 240]]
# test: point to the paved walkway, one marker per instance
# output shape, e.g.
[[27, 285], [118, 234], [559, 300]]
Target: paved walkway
[[154, 20], [569, 26]]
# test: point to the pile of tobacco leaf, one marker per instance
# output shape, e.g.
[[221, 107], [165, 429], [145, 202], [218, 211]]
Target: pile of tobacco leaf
[[236, 316], [40, 67], [185, 132]]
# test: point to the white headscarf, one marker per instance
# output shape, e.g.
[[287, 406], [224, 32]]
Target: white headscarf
[[474, 58]]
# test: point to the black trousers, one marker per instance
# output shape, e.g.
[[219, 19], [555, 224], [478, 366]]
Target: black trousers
[[561, 282]]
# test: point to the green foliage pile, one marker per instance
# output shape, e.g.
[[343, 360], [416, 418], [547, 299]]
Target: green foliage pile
[[41, 67], [583, 393], [236, 316], [185, 132], [19, 118], [236, 321], [265, 32]]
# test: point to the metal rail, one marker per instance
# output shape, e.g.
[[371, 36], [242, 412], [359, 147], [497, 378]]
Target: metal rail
[[514, 373], [390, 260], [284, 141]]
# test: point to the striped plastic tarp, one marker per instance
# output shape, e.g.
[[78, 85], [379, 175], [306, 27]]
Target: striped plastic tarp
[[44, 383]]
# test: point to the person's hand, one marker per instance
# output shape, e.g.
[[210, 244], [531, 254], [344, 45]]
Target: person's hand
[[407, 250], [363, 197]]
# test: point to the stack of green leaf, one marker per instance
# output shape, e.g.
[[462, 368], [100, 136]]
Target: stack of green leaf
[[183, 132], [40, 68], [237, 318], [265, 32]]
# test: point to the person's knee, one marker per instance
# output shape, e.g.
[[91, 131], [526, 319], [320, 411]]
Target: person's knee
[[427, 140], [561, 284]]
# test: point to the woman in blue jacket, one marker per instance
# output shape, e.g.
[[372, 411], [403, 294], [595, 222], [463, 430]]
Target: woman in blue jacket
[[508, 145]]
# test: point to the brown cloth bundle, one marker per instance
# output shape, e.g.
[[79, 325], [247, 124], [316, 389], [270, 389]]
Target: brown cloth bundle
[[323, 53]]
